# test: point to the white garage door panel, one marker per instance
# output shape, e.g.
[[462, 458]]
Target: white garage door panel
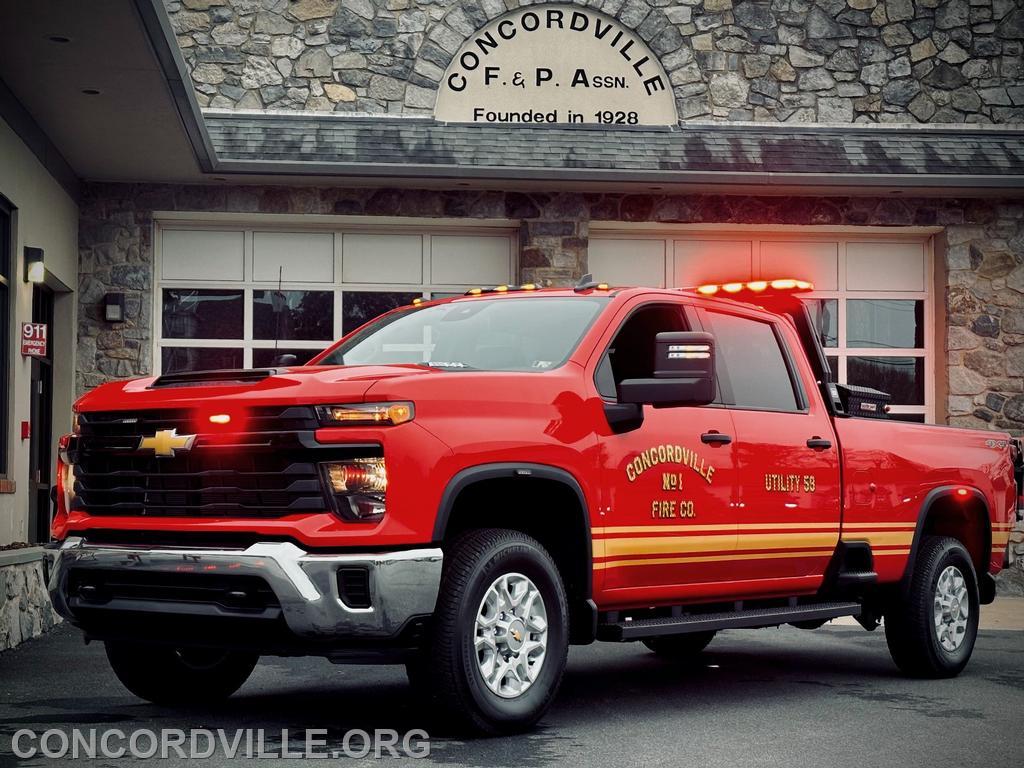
[[628, 262], [817, 262], [712, 261], [193, 254], [876, 266], [469, 260], [300, 257], [382, 258]]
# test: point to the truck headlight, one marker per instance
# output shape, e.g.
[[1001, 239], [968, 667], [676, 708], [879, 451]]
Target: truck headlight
[[364, 414], [358, 487]]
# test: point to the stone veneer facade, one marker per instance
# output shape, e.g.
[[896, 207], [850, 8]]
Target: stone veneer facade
[[828, 61], [25, 610], [983, 260]]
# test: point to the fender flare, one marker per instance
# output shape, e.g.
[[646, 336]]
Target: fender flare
[[935, 495], [523, 471]]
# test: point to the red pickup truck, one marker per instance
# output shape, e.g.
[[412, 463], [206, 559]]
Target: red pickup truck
[[468, 486]]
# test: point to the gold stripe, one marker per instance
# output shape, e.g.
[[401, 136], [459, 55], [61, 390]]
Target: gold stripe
[[742, 527], [668, 545], [880, 538], [680, 544], [891, 552], [712, 558], [879, 526]]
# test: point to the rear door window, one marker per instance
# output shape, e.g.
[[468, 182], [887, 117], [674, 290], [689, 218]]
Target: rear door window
[[752, 367]]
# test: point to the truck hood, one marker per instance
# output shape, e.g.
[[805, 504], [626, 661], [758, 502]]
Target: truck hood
[[279, 386]]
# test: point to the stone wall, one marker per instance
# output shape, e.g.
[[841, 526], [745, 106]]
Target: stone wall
[[984, 260], [25, 610], [830, 61]]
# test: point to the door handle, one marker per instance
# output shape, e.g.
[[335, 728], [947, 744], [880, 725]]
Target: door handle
[[715, 438], [819, 443]]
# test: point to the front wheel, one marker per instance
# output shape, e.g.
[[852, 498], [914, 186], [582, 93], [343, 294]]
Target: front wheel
[[932, 632], [179, 676], [500, 635]]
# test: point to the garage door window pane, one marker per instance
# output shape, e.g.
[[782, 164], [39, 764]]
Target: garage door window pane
[[202, 314], [265, 358], [886, 323], [825, 319], [901, 377], [178, 359], [359, 307], [305, 315]]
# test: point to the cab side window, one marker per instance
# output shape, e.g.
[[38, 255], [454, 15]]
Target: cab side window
[[631, 353], [749, 358]]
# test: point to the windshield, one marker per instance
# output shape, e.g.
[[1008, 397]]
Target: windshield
[[520, 334]]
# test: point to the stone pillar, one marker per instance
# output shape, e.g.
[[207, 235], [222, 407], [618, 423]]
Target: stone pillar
[[553, 246]]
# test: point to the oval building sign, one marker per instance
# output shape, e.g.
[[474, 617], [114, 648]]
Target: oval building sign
[[556, 64]]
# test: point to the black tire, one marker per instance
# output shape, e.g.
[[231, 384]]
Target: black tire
[[449, 665], [179, 676], [910, 628], [680, 647]]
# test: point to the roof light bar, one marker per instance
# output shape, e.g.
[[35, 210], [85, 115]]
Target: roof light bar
[[781, 285], [502, 289]]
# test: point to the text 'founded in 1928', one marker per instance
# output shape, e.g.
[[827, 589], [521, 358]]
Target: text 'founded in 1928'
[[556, 64]]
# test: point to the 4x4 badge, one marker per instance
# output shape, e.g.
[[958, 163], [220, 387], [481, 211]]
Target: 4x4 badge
[[167, 442]]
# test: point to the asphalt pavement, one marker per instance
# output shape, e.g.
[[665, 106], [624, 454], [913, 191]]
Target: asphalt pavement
[[769, 697]]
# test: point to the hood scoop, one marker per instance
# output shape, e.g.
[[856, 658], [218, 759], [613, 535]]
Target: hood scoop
[[206, 378]]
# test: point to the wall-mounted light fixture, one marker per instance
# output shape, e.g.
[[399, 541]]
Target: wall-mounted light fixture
[[35, 269], [113, 307]]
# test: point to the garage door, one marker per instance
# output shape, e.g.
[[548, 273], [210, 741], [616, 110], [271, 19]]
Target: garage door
[[873, 300], [232, 297]]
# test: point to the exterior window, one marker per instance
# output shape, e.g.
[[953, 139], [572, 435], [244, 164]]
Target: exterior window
[[887, 323], [178, 359], [901, 377], [5, 327], [304, 315], [749, 357], [202, 314], [267, 358]]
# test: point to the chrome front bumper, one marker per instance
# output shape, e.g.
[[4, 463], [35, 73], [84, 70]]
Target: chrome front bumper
[[402, 584]]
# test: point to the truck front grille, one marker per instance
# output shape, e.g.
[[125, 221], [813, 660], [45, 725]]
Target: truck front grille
[[269, 470]]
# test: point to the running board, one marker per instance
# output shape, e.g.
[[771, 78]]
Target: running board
[[640, 629]]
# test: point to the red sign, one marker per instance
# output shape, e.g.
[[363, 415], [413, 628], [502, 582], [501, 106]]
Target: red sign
[[33, 339]]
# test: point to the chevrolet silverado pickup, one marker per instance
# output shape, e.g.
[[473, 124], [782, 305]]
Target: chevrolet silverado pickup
[[468, 486]]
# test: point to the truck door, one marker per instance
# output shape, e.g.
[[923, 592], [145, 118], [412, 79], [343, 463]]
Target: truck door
[[788, 498], [667, 529]]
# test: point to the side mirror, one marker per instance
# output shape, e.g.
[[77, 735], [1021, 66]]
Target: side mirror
[[684, 372], [285, 360]]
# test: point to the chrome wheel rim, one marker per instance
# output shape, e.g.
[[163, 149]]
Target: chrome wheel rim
[[952, 608], [511, 635]]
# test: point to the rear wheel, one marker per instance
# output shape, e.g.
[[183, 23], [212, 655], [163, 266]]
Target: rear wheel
[[680, 646], [176, 676], [500, 634], [931, 633]]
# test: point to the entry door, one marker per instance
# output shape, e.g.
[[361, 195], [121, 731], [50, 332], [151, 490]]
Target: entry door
[[669, 528], [41, 418], [788, 505]]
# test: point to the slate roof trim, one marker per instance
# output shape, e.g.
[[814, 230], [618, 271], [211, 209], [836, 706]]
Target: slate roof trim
[[290, 143]]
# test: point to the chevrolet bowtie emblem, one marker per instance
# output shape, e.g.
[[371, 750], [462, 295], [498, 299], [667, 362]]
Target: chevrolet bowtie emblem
[[167, 442], [516, 635]]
